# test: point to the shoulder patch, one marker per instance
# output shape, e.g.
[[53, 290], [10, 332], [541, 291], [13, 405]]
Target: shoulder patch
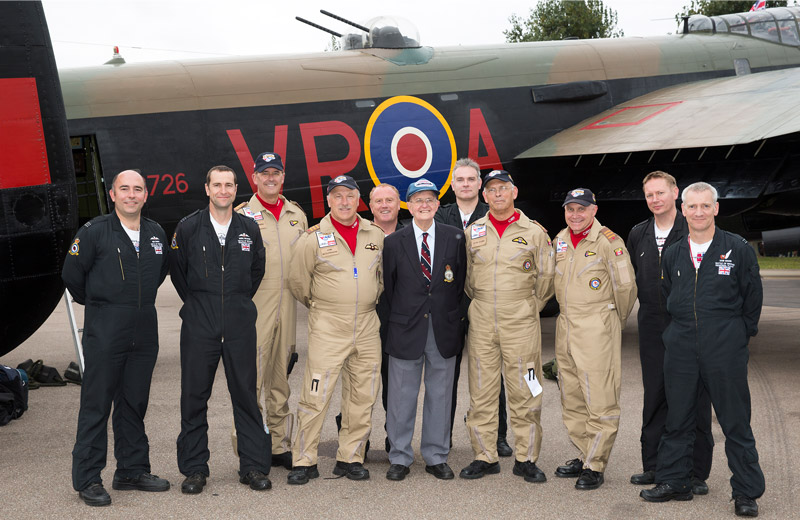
[[312, 229], [608, 234], [240, 206], [87, 224], [540, 226]]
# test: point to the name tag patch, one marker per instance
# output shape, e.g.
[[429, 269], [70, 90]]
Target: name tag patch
[[157, 246], [478, 231], [325, 239], [561, 246], [245, 241]]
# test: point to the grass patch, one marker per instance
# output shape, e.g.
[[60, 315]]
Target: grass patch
[[775, 262]]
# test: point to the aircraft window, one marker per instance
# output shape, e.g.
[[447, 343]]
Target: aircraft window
[[700, 23], [737, 24], [352, 41], [365, 103], [765, 31], [720, 26], [788, 30], [741, 66], [449, 97]]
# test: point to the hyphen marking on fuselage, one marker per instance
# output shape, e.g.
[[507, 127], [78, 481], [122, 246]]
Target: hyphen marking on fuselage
[[22, 132], [637, 115]]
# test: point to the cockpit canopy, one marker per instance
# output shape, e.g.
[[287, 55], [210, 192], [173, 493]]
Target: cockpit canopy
[[778, 24], [385, 32]]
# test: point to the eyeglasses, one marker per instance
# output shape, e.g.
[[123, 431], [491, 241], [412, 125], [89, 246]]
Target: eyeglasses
[[420, 202], [498, 189]]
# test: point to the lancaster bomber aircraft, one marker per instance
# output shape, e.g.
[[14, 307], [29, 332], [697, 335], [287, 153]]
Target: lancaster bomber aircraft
[[717, 102]]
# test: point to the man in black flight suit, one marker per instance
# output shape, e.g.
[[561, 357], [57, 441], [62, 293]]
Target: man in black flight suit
[[114, 267], [216, 264], [712, 287]]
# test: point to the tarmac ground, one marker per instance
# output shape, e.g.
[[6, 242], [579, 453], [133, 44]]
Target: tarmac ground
[[35, 461]]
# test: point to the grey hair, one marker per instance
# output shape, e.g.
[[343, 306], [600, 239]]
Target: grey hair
[[466, 161], [698, 187]]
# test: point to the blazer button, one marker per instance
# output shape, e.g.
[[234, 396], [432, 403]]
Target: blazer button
[[425, 316]]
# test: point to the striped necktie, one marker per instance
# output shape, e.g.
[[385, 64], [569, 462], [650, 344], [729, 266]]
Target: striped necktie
[[425, 259]]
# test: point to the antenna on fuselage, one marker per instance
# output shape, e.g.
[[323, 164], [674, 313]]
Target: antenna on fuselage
[[348, 22], [317, 26]]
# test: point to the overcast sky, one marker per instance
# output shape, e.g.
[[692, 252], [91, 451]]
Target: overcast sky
[[84, 31]]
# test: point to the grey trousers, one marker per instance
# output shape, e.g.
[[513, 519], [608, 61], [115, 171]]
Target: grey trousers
[[404, 382]]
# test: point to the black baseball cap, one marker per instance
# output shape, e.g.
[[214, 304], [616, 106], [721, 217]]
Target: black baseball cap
[[500, 175], [342, 180], [267, 160], [582, 196]]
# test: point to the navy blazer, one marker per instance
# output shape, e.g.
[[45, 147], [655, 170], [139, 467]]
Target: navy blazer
[[411, 304]]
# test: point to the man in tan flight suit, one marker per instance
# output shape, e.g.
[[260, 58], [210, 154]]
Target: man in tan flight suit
[[336, 273], [281, 222], [509, 276], [596, 290]]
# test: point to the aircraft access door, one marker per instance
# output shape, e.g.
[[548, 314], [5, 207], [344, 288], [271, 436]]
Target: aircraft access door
[[89, 178]]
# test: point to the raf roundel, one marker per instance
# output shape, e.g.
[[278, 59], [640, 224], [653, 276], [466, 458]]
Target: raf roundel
[[594, 284], [407, 138]]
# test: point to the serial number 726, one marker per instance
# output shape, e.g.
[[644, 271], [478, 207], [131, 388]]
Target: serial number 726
[[170, 185]]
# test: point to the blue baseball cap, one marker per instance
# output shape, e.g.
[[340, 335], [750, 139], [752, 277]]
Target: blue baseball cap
[[500, 175], [421, 185], [268, 160], [342, 180]]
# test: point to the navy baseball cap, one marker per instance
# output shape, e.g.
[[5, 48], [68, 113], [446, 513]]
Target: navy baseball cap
[[421, 185], [342, 180], [500, 175], [582, 196], [267, 160]]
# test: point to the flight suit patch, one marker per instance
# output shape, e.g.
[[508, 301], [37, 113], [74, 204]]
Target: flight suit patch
[[155, 243], [371, 246], [561, 246], [327, 244], [315, 380], [618, 251], [589, 253], [594, 284], [480, 242], [174, 244], [520, 240], [526, 265], [478, 231], [448, 274], [75, 248], [245, 241], [293, 222]]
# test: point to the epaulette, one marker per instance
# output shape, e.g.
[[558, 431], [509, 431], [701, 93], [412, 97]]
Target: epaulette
[[540, 226], [608, 234], [87, 224], [240, 206], [312, 229], [193, 213], [298, 206]]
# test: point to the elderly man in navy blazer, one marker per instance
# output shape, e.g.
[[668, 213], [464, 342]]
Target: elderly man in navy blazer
[[424, 268]]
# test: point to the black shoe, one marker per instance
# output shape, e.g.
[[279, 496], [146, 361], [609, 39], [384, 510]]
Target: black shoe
[[479, 468], [302, 474], [699, 487], [143, 482], [571, 469], [664, 492], [529, 471], [441, 471], [351, 470], [282, 459], [589, 479], [96, 495], [745, 506], [397, 472], [503, 449], [256, 480], [644, 479], [193, 484]]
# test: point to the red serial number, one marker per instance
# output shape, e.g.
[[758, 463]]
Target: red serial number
[[170, 185]]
